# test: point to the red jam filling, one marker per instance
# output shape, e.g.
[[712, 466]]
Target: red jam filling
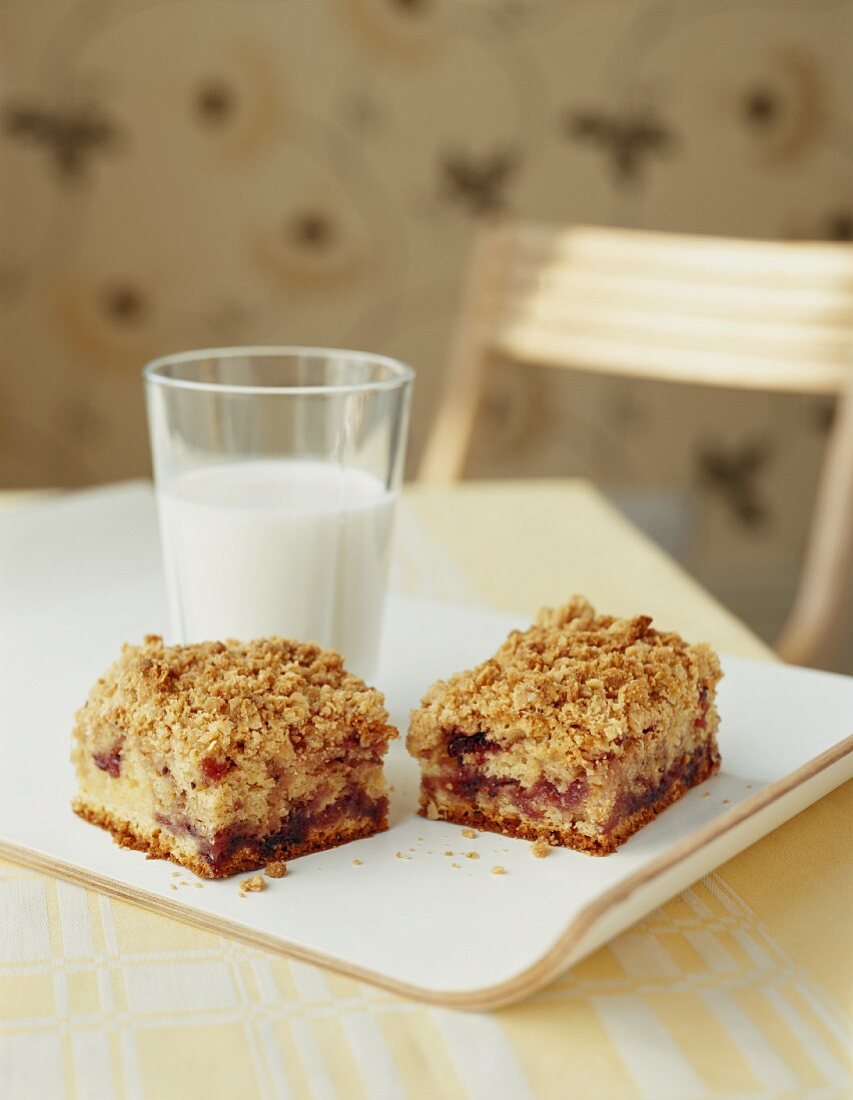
[[701, 722], [109, 762], [467, 782], [684, 772], [293, 830], [213, 770]]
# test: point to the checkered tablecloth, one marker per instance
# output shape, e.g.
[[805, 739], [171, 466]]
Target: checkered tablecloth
[[741, 986]]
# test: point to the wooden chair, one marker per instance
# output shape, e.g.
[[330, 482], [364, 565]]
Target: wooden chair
[[704, 310]]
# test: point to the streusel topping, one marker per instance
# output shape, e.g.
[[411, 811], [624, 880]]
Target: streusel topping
[[576, 681], [269, 696]]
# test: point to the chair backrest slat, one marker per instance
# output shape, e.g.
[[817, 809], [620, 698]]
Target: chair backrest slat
[[778, 263], [749, 314], [699, 366], [795, 303]]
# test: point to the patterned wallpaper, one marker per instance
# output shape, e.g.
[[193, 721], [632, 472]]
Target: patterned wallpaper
[[197, 172]]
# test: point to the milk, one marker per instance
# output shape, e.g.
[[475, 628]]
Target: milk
[[297, 548]]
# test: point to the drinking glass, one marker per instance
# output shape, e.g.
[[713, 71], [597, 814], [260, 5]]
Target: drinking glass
[[276, 473]]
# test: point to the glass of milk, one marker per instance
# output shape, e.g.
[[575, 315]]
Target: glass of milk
[[277, 471]]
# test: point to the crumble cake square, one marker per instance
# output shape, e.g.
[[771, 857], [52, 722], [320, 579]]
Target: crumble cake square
[[578, 731], [224, 757]]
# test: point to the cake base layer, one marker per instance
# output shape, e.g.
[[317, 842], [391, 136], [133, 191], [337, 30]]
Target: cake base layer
[[246, 853], [637, 810]]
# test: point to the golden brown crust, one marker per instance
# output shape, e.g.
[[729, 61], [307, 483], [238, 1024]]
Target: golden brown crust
[[160, 844], [462, 813]]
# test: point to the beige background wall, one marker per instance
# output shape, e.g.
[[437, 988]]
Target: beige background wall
[[200, 172]]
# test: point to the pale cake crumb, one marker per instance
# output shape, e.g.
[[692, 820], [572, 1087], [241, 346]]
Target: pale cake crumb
[[176, 874], [540, 848], [472, 855], [706, 794], [356, 863], [456, 866], [198, 885], [448, 853], [172, 886], [400, 855], [498, 869], [276, 869], [252, 885], [727, 802], [469, 834]]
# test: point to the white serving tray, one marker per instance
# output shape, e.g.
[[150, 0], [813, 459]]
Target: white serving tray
[[81, 575]]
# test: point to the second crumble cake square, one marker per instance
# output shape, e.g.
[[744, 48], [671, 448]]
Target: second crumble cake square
[[577, 731]]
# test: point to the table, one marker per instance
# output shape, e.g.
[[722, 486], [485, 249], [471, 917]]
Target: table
[[741, 985]]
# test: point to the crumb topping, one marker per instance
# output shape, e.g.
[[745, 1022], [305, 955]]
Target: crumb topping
[[252, 885], [276, 869], [216, 702], [575, 683], [540, 848], [498, 870]]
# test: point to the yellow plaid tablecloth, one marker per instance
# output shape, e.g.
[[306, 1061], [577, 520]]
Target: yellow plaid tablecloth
[[739, 987]]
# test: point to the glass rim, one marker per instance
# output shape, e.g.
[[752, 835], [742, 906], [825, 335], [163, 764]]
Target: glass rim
[[402, 373]]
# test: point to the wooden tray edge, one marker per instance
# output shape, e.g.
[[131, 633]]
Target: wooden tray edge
[[568, 948]]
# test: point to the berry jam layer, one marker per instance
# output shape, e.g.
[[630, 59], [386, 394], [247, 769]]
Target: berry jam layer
[[233, 850], [300, 832], [594, 811]]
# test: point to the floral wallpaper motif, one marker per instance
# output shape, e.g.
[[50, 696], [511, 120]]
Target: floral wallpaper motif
[[68, 136], [221, 171], [627, 139]]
